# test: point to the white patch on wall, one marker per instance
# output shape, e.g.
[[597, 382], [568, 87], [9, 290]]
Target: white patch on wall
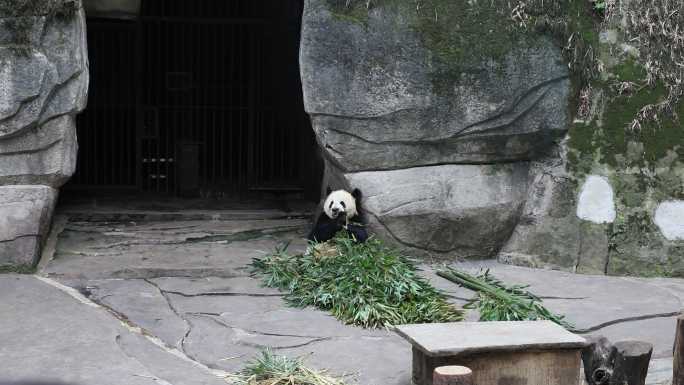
[[595, 202], [669, 217]]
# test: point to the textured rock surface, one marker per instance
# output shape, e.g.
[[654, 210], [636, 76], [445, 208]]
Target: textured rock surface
[[44, 79], [43, 84], [440, 211], [375, 113], [549, 232], [51, 337], [88, 250], [393, 86], [24, 221], [438, 144]]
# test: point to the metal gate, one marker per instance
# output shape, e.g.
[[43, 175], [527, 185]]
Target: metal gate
[[214, 106], [106, 129]]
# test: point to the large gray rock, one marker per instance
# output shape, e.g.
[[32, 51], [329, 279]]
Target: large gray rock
[[45, 155], [43, 85], [373, 90], [435, 117], [24, 221], [43, 76], [549, 233], [445, 211]]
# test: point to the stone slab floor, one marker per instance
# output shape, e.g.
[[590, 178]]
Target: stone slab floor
[[155, 301]]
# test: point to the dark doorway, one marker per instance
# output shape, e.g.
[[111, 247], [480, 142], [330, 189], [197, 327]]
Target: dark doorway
[[197, 98]]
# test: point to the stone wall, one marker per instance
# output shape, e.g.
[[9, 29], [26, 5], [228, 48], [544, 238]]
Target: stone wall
[[477, 130], [620, 181], [439, 138], [43, 85]]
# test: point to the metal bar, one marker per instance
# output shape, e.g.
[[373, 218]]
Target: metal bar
[[202, 20], [215, 65], [227, 99], [140, 59]]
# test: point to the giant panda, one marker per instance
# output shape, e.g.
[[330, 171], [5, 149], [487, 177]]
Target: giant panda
[[341, 210]]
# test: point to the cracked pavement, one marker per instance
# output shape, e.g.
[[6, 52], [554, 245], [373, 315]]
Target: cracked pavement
[[173, 302]]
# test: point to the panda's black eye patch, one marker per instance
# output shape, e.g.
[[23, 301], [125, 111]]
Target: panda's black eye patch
[[330, 205], [343, 205]]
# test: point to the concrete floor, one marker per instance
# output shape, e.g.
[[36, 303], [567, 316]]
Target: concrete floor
[[168, 300]]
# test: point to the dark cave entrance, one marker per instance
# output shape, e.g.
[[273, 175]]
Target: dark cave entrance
[[196, 99]]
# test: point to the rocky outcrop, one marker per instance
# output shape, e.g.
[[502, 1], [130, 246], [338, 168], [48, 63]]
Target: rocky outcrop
[[438, 142], [25, 213], [551, 232], [461, 124], [43, 85], [430, 210], [378, 99]]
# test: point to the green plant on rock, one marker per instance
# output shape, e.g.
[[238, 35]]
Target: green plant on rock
[[366, 284], [17, 269], [655, 27], [603, 7]]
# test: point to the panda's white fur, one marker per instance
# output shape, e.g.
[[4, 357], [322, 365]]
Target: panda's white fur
[[342, 211], [340, 202]]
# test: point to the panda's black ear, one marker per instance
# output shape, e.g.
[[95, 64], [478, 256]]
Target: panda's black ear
[[356, 194], [328, 190]]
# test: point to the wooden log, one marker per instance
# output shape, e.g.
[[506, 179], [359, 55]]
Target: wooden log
[[452, 375], [678, 353], [622, 363], [630, 363], [597, 360]]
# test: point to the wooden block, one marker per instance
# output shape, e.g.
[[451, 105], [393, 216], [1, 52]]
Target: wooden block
[[498, 353]]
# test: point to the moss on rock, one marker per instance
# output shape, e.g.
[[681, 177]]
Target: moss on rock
[[461, 36], [644, 169], [17, 269]]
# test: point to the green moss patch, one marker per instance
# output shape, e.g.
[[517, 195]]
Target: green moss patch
[[17, 269], [365, 284], [461, 36], [608, 139]]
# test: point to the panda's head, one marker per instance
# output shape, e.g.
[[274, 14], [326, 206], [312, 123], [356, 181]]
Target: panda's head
[[341, 203]]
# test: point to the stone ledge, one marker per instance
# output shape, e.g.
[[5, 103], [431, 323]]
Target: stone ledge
[[25, 213]]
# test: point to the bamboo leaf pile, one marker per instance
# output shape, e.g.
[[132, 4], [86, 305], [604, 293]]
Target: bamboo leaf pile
[[365, 284], [272, 369]]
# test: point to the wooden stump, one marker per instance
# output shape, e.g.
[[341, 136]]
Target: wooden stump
[[631, 362], [624, 363], [678, 359], [597, 360], [452, 375]]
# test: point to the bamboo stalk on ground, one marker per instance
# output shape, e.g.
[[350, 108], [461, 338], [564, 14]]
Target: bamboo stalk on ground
[[498, 302]]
